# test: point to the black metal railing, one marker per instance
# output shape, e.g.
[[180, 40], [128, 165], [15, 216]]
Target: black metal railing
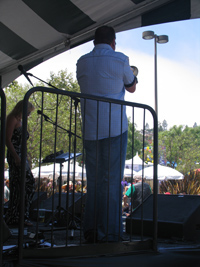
[[65, 219], [2, 164]]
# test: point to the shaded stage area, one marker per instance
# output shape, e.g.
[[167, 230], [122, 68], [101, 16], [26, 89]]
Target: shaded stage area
[[172, 252], [175, 255], [54, 245], [168, 258]]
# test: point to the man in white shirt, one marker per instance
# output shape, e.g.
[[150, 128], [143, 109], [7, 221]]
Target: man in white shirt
[[105, 73]]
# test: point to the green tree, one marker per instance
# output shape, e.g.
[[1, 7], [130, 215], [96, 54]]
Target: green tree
[[147, 126], [182, 147], [190, 150], [15, 92], [135, 141], [164, 125], [171, 140], [65, 81], [160, 128]]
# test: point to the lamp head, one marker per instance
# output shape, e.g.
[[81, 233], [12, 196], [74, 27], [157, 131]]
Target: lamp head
[[148, 35], [162, 39]]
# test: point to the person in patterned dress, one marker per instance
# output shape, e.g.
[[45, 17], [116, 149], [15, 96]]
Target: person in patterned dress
[[13, 143]]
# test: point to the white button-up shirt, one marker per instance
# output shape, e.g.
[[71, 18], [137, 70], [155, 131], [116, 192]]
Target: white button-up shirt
[[104, 72]]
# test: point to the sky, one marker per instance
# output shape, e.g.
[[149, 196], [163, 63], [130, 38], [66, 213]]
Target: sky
[[178, 70]]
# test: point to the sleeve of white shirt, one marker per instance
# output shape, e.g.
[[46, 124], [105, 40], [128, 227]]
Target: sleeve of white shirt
[[129, 77]]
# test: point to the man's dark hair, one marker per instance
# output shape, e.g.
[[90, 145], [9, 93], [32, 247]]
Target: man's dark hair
[[104, 35]]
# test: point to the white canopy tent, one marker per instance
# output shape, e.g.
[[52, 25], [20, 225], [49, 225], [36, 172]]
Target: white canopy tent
[[128, 173], [135, 163], [34, 31], [164, 173], [6, 174], [47, 171]]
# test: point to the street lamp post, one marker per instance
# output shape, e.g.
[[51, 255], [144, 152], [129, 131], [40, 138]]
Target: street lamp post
[[161, 39]]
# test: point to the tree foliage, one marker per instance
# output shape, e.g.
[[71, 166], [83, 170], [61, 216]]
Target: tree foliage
[[135, 142], [45, 133], [63, 124], [162, 126], [181, 147]]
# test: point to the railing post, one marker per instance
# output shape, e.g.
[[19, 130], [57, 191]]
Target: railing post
[[2, 165]]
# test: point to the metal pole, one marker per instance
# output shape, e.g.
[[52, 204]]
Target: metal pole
[[2, 163], [155, 59]]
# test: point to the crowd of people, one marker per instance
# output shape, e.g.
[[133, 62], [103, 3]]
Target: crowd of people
[[46, 185]]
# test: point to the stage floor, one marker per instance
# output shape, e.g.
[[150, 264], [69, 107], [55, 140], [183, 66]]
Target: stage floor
[[171, 252]]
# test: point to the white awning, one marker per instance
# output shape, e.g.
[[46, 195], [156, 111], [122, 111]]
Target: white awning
[[34, 31]]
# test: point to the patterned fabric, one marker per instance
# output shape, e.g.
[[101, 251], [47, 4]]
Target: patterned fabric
[[12, 215]]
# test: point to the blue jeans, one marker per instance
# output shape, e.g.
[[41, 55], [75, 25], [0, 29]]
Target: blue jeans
[[105, 160]]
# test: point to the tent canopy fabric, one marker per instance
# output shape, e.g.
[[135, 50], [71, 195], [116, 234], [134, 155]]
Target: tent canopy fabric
[[135, 160], [129, 173], [34, 31], [136, 163], [164, 173], [47, 171]]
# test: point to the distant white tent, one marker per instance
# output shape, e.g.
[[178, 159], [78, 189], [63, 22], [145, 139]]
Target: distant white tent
[[6, 174], [164, 173], [128, 173], [78, 170], [137, 163], [47, 171]]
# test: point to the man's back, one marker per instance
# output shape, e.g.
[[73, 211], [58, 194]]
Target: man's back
[[103, 72]]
